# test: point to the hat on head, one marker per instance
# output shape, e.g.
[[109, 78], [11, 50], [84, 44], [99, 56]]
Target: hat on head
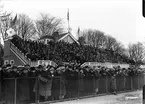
[[27, 66], [32, 68], [52, 69]]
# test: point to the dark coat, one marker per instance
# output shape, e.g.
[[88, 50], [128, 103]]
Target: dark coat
[[113, 83], [55, 85], [81, 81]]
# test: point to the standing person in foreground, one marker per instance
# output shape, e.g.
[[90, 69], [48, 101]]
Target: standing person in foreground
[[113, 84]]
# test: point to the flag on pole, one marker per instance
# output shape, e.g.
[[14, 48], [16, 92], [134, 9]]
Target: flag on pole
[[14, 21], [68, 15], [78, 31]]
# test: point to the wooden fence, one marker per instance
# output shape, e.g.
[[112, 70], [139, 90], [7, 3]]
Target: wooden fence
[[28, 90]]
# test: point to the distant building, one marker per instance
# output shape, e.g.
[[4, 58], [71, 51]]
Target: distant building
[[66, 37]]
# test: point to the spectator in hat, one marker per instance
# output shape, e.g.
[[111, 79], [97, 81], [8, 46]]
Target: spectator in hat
[[69, 74], [96, 82], [55, 84], [81, 82], [61, 73], [45, 82], [113, 84]]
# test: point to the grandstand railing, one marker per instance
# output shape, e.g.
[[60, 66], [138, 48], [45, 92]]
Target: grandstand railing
[[106, 64], [22, 56], [29, 90]]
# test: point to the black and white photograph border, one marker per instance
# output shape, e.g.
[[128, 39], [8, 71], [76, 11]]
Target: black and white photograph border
[[72, 52]]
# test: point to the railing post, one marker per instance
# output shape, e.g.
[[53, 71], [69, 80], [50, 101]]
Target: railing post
[[124, 86], [36, 93], [78, 85], [15, 96], [106, 85], [143, 94], [60, 78], [138, 82], [143, 78], [131, 82]]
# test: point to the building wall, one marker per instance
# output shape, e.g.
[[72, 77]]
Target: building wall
[[68, 39], [13, 57], [7, 48], [9, 55]]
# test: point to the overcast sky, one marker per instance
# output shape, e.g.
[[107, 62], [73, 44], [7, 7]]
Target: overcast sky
[[120, 18]]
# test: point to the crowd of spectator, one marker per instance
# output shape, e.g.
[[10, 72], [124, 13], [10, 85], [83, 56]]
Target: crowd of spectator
[[64, 52], [97, 71], [64, 81]]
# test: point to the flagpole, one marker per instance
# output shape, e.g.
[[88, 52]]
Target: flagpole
[[68, 19], [78, 31]]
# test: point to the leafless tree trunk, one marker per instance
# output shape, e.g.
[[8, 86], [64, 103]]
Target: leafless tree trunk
[[4, 25], [94, 38], [25, 27], [98, 39], [47, 25], [136, 52], [119, 48], [5, 21], [110, 42]]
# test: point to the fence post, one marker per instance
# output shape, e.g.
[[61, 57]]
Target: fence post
[[60, 78], [124, 84], [36, 93], [143, 78], [131, 82], [15, 96], [78, 85], [138, 81], [143, 94], [106, 85]]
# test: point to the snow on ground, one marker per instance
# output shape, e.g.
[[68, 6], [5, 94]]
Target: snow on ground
[[134, 97]]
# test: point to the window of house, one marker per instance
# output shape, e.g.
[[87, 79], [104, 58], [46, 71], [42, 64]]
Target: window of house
[[12, 62], [6, 62]]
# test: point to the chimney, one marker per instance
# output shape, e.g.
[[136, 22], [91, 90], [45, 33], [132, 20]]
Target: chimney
[[55, 35]]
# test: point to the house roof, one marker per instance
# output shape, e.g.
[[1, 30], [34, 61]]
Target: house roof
[[46, 37], [54, 36], [60, 36], [57, 36], [69, 35]]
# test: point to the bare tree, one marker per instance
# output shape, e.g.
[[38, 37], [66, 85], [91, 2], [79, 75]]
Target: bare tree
[[81, 40], [95, 38], [4, 25], [1, 55], [98, 39], [5, 20], [119, 48], [47, 25], [25, 26], [110, 42], [136, 52]]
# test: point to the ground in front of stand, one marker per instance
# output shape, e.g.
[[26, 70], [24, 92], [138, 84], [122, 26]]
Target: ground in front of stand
[[134, 97]]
